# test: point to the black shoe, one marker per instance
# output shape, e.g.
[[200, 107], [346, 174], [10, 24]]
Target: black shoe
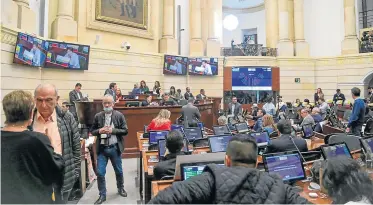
[[122, 192], [100, 200]]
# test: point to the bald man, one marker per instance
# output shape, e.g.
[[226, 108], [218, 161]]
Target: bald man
[[62, 130], [110, 127]]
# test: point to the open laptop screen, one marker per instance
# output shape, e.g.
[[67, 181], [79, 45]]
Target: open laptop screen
[[241, 127], [262, 138], [219, 143], [193, 133], [154, 136], [334, 150], [287, 164], [220, 130], [162, 147], [189, 170], [176, 127], [307, 131]]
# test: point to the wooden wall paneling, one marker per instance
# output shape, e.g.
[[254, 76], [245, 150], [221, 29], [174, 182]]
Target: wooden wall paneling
[[275, 78], [227, 82]]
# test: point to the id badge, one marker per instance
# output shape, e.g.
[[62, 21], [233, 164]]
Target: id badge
[[103, 136]]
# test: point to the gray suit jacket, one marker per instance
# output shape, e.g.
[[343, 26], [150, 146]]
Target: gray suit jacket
[[190, 112], [237, 109], [199, 97], [111, 92], [308, 120]]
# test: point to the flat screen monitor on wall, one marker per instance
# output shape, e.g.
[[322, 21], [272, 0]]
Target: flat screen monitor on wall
[[67, 56], [30, 50], [251, 78], [175, 65], [203, 66]]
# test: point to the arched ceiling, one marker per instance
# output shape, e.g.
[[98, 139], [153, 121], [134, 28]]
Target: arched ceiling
[[241, 4]]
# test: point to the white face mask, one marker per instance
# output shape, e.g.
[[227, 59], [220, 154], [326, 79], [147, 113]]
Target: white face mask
[[108, 109]]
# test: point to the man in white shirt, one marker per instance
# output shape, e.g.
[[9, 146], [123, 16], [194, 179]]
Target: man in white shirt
[[269, 107], [207, 68], [74, 58]]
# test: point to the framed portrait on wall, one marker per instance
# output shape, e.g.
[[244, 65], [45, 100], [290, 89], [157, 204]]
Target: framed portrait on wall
[[131, 13]]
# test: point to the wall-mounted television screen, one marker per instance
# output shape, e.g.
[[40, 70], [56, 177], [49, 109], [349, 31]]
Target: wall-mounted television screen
[[203, 66], [251, 78], [67, 56], [175, 65], [30, 50]]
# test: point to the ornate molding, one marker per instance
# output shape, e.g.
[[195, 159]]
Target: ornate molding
[[92, 23], [116, 54], [8, 35], [252, 9]]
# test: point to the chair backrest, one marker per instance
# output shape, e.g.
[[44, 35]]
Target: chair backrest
[[201, 142], [352, 141], [368, 130], [153, 147], [311, 155]]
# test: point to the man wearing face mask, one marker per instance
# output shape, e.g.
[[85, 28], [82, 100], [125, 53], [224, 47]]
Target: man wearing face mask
[[110, 127]]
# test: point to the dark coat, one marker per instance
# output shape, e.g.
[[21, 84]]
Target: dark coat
[[229, 185], [166, 167], [284, 143], [111, 92], [70, 139], [188, 95], [237, 109], [120, 128], [190, 113]]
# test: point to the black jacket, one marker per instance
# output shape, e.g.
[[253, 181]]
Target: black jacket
[[340, 97], [187, 95], [120, 128], [225, 185], [111, 92], [284, 143], [70, 139], [166, 167]]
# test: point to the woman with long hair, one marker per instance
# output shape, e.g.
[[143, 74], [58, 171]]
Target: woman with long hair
[[269, 124], [345, 181], [118, 94], [157, 87], [143, 87], [30, 168], [161, 122], [173, 92], [319, 94]]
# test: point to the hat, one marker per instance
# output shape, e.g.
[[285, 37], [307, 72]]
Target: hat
[[255, 105]]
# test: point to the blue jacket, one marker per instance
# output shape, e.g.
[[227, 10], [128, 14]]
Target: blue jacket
[[358, 113], [258, 125]]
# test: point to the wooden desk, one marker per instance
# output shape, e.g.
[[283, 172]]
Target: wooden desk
[[158, 186], [322, 199], [327, 129]]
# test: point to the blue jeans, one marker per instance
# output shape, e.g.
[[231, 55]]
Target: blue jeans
[[104, 154]]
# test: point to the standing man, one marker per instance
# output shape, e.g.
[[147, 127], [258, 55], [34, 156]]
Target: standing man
[[324, 107], [75, 95], [188, 94], [191, 113], [201, 95], [112, 91], [269, 107], [234, 108], [356, 120], [370, 90], [63, 133], [338, 96], [110, 127], [207, 68]]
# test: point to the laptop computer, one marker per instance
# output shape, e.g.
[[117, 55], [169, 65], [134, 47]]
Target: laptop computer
[[201, 126], [154, 136], [193, 133], [334, 150], [221, 130], [219, 143], [176, 127], [288, 165], [189, 170], [307, 131], [241, 127], [262, 138], [367, 145]]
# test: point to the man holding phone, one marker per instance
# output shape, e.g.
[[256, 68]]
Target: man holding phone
[[110, 127]]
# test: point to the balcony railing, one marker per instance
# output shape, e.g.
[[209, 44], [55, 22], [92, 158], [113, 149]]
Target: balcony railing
[[248, 50]]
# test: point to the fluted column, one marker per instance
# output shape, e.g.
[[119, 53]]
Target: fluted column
[[285, 46], [291, 20], [350, 44], [64, 27], [301, 46], [271, 9], [168, 43], [26, 18], [215, 10], [195, 25]]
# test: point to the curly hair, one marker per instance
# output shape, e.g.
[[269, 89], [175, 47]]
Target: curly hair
[[345, 181]]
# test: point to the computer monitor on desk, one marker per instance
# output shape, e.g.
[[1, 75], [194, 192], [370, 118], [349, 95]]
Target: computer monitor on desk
[[242, 127], [177, 127], [334, 150], [221, 130], [189, 170], [169, 103], [162, 147], [307, 131], [154, 136], [193, 133], [132, 104], [262, 138], [367, 145], [286, 164], [219, 143]]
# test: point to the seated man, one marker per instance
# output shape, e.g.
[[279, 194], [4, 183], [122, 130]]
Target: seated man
[[259, 122], [167, 100], [316, 115], [174, 144], [238, 182], [286, 142], [148, 101], [136, 90]]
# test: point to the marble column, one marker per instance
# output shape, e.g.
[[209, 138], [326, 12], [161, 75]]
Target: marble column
[[271, 9], [168, 43], [301, 46], [285, 45], [291, 20], [64, 27], [214, 26], [26, 19], [195, 16], [350, 44]]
